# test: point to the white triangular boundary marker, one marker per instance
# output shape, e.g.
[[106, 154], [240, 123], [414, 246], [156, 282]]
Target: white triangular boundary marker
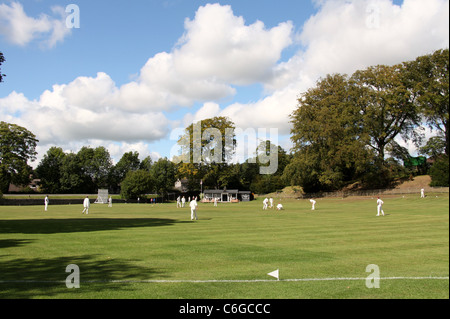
[[275, 274]]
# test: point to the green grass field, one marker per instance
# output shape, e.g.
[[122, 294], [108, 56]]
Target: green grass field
[[145, 251]]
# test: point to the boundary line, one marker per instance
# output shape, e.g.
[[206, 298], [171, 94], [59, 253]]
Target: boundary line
[[225, 280]]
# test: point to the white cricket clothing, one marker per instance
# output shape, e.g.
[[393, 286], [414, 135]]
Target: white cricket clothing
[[46, 202], [265, 201], [380, 207], [313, 202], [422, 193], [279, 207], [86, 204], [193, 205]]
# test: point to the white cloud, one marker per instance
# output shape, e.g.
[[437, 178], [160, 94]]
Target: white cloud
[[348, 35], [342, 37], [208, 110], [217, 44], [20, 29], [217, 53]]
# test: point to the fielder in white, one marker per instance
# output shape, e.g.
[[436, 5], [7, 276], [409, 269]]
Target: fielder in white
[[86, 204], [110, 201], [271, 202], [183, 200], [178, 202], [313, 202], [280, 207], [422, 193], [380, 207], [265, 201], [215, 201], [193, 205], [46, 202]]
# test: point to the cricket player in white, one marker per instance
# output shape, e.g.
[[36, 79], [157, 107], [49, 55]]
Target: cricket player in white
[[86, 204], [46, 202], [271, 202], [265, 201], [178, 202], [422, 193], [183, 200], [380, 207], [193, 205], [313, 202], [110, 201], [280, 207], [215, 201]]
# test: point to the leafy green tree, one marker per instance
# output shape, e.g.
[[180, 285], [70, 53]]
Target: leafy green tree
[[164, 175], [434, 147], [439, 172], [146, 163], [73, 178], [96, 164], [208, 141], [430, 76], [207, 148], [136, 184], [128, 162], [387, 106], [49, 170], [17, 147], [329, 141]]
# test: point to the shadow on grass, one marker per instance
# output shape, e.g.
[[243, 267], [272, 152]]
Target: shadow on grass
[[46, 278], [6, 243], [53, 226]]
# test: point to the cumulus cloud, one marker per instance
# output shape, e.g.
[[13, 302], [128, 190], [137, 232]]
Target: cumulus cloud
[[21, 29], [343, 36], [218, 44], [217, 53]]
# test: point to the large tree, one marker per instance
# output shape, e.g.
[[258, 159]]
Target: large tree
[[136, 184], [329, 140], [129, 162], [96, 164], [208, 141], [17, 147], [49, 170], [430, 75], [164, 175], [207, 148], [385, 100]]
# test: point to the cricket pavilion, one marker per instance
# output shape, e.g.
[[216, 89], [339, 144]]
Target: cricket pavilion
[[226, 195]]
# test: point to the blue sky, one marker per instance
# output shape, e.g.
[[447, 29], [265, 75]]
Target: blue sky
[[137, 70]]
